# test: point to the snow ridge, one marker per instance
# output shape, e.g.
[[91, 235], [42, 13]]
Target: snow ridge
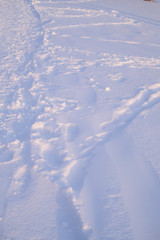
[[130, 108]]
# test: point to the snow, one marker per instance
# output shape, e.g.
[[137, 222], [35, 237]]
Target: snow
[[79, 120]]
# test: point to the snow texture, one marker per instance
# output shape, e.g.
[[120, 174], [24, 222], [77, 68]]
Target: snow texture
[[79, 120]]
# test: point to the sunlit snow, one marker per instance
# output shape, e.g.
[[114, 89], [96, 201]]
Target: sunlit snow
[[79, 120]]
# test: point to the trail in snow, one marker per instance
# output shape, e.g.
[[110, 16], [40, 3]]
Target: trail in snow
[[75, 78], [21, 36]]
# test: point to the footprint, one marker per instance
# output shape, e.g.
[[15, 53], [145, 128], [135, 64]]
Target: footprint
[[52, 154], [72, 131], [68, 219], [88, 96], [18, 180]]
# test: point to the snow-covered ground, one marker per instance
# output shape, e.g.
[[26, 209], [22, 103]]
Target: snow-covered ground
[[79, 119]]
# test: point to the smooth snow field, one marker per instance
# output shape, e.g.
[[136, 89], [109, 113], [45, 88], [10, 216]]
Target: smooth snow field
[[79, 120]]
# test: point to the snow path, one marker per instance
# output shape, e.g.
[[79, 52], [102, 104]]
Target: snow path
[[19, 43], [75, 77]]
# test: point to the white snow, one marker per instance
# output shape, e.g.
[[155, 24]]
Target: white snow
[[79, 120]]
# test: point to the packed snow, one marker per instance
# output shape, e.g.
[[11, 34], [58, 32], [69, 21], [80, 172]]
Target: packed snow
[[79, 120]]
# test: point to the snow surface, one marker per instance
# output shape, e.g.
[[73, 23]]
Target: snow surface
[[79, 138]]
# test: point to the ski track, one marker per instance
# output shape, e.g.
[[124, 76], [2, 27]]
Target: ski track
[[51, 90]]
